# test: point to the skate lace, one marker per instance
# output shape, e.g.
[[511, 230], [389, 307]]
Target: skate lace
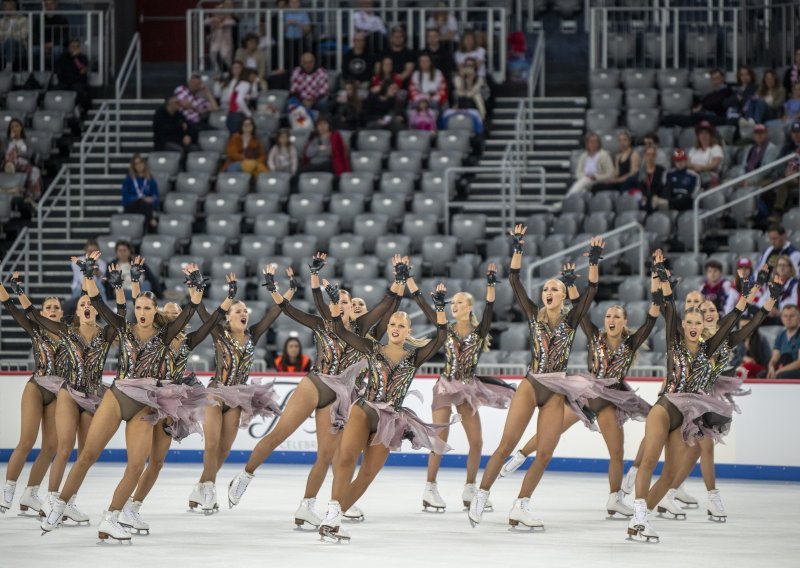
[[114, 521], [525, 505], [240, 486], [74, 507], [209, 494], [54, 516], [716, 500], [640, 512], [333, 512], [8, 493], [133, 514]]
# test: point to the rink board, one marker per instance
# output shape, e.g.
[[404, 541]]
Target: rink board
[[761, 444]]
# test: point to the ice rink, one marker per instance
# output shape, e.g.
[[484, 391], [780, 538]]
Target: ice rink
[[761, 530]]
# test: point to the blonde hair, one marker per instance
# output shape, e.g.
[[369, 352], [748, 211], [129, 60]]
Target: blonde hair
[[412, 341], [169, 319], [542, 317], [473, 319], [227, 324], [788, 260], [626, 331]]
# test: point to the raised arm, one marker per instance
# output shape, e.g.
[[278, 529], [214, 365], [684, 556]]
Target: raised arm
[[308, 320], [115, 279], [737, 337], [210, 324], [641, 334], [485, 325], [582, 307], [530, 309], [317, 264], [18, 315], [439, 303], [361, 344]]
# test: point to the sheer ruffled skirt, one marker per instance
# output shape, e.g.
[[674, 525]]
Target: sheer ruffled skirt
[[480, 391]]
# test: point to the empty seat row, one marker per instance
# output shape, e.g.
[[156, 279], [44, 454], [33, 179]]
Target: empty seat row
[[673, 100]]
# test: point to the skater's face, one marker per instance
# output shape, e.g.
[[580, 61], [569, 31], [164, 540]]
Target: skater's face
[[171, 310], [461, 306], [358, 306], [693, 326], [344, 304], [145, 310], [710, 314], [553, 294], [238, 317], [616, 321], [693, 300], [399, 328], [51, 309], [86, 312]]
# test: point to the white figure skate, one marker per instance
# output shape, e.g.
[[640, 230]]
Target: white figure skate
[[132, 520], [513, 463], [353, 514], [331, 528], [629, 481], [477, 506], [306, 513], [616, 504], [72, 513], [54, 517], [30, 504], [110, 528], [686, 499], [8, 496], [470, 489], [670, 506], [715, 508], [237, 487], [432, 499], [521, 514], [639, 528]]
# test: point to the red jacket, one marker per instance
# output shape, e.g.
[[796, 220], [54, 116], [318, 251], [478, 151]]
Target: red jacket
[[303, 367], [339, 155]]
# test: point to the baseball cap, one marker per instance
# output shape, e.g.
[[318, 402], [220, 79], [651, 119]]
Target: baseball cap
[[759, 128], [679, 155], [796, 126], [744, 262]]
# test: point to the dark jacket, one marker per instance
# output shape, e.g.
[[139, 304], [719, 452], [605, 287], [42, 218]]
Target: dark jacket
[[168, 128]]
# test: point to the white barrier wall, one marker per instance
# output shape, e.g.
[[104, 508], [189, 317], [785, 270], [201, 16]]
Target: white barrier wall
[[762, 442]]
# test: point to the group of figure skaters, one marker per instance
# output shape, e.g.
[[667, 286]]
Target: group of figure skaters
[[357, 388]]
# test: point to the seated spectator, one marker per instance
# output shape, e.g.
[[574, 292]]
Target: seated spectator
[[626, 165], [470, 50], [444, 21], [705, 158], [358, 63], [772, 94], [422, 116], [792, 75], [651, 179], [680, 187], [296, 33], [428, 83], [140, 191], [196, 101], [744, 106], [370, 26], [244, 152], [784, 363], [221, 27], [235, 94], [594, 165], [283, 155], [402, 58], [718, 290], [13, 37], [791, 108], [760, 153], [253, 58], [779, 246], [385, 108], [441, 54], [56, 28], [349, 108], [170, 130], [326, 150], [471, 91], [17, 160], [72, 70], [385, 72], [790, 295], [310, 83], [100, 270], [711, 108], [752, 355], [651, 139], [123, 254], [291, 359]]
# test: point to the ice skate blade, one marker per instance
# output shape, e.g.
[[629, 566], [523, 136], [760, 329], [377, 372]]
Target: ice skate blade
[[635, 535], [664, 514], [686, 505], [330, 535], [300, 525], [520, 526], [435, 509], [209, 512], [3, 510], [137, 532], [73, 523], [359, 519], [105, 537], [717, 518], [474, 523], [622, 516]]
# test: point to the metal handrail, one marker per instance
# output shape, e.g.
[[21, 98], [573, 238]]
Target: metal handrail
[[19, 251], [641, 243], [506, 194], [727, 185], [130, 64], [55, 192], [99, 126]]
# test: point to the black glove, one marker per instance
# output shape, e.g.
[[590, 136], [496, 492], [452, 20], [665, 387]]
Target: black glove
[[333, 292], [87, 267], [16, 286], [114, 279], [762, 278], [661, 271], [491, 279], [439, 301], [747, 286], [233, 287], [517, 240], [317, 264], [402, 272], [658, 298], [137, 271], [568, 277], [775, 291], [595, 254], [269, 282], [195, 280], [293, 283]]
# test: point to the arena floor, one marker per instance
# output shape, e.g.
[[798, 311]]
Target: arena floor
[[761, 530]]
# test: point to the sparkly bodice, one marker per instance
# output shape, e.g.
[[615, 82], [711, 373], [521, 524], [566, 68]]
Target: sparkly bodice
[[721, 360], [140, 360], [80, 363], [332, 353], [177, 360], [387, 381], [234, 360], [690, 373], [550, 349], [608, 363], [44, 352], [461, 355]]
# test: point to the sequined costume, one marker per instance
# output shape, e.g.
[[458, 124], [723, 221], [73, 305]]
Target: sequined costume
[[550, 350], [44, 353], [233, 364], [386, 389], [687, 389], [458, 383]]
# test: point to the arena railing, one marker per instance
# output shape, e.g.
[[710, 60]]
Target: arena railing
[[332, 30], [17, 258], [131, 64], [519, 369], [97, 134], [60, 189], [641, 243]]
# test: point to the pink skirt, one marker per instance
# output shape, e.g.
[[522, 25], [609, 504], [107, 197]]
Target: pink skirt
[[628, 405], [255, 399], [49, 383], [703, 416], [574, 388], [191, 413], [164, 399], [476, 393], [726, 388], [395, 426], [87, 401], [344, 386]]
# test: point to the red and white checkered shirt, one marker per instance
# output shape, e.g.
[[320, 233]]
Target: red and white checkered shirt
[[199, 106], [310, 85]]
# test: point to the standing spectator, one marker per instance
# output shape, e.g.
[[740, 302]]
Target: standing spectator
[[100, 270], [221, 26], [253, 58], [705, 159], [594, 165], [471, 91], [470, 50], [441, 54], [234, 95], [244, 152], [710, 108], [792, 75], [296, 33], [326, 150], [310, 83], [123, 255], [56, 28], [681, 185], [385, 108], [428, 83], [291, 359], [444, 21], [651, 179], [779, 246], [358, 64], [72, 70], [283, 155], [349, 108], [140, 191], [422, 116], [402, 57], [772, 94], [13, 37], [17, 159], [718, 290], [385, 72], [196, 101], [370, 25], [791, 108], [790, 294], [651, 139], [170, 130], [784, 363]]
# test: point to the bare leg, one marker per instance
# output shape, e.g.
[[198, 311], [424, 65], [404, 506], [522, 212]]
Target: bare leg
[[519, 414], [158, 453], [230, 427], [707, 463], [371, 464], [441, 416], [548, 426], [67, 421], [656, 432], [686, 468], [83, 429], [49, 446], [354, 440], [212, 432], [472, 428], [300, 406], [31, 411], [327, 444], [138, 441], [637, 462], [570, 419], [615, 441], [674, 457]]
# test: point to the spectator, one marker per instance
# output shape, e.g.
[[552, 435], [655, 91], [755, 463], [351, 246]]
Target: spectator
[[594, 165], [358, 64], [422, 117], [470, 50], [77, 276], [326, 150], [17, 159], [760, 153], [235, 94], [772, 94], [292, 360], [196, 101], [710, 108], [441, 54], [784, 363], [626, 164], [705, 159], [791, 108], [680, 187], [221, 26], [140, 191], [444, 21], [349, 108], [718, 290], [283, 155], [170, 130], [744, 105], [384, 73], [310, 83], [72, 70], [792, 145], [779, 246], [402, 57], [428, 83], [370, 25], [792, 75], [296, 33], [385, 108], [790, 295], [651, 179], [651, 139], [56, 28], [752, 355], [123, 251], [244, 152], [13, 37], [744, 266], [253, 58], [471, 91]]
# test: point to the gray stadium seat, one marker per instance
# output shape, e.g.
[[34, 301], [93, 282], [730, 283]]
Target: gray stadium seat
[[228, 225], [127, 225], [360, 268], [177, 202], [604, 79], [638, 78], [602, 120], [701, 81], [440, 160], [701, 48], [438, 252], [229, 263], [672, 78], [346, 206], [217, 118], [221, 203], [685, 265], [300, 248], [676, 100], [41, 142], [408, 161], [320, 183], [157, 246], [453, 141], [274, 183], [553, 244], [660, 224], [394, 206], [22, 101], [499, 247], [6, 81], [273, 99], [357, 182], [596, 223], [254, 247], [685, 232], [372, 291], [398, 183], [374, 141], [641, 98], [207, 162], [255, 205], [63, 101], [601, 202], [741, 243], [272, 225], [460, 121], [515, 338], [345, 246], [567, 224], [237, 184], [299, 138], [266, 126], [177, 225], [176, 264], [414, 140], [389, 245], [213, 140], [324, 226], [428, 203], [366, 161], [208, 247], [302, 205], [470, 229], [641, 121], [418, 227], [632, 290], [49, 121], [434, 182], [606, 98], [608, 141], [198, 183], [169, 162], [371, 226]]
